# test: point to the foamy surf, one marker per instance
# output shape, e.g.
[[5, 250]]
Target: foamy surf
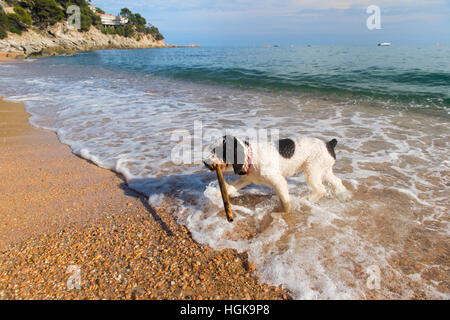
[[394, 162]]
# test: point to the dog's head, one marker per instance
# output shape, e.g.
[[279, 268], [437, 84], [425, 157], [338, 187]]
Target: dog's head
[[229, 153]]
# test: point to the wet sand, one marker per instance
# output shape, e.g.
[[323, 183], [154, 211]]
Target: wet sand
[[58, 210], [10, 56]]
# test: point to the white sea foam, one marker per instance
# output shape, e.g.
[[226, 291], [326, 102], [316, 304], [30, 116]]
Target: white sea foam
[[395, 164]]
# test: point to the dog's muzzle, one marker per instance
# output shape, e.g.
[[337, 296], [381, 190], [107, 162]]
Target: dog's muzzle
[[212, 166], [209, 166]]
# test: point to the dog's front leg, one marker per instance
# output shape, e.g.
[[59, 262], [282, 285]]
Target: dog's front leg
[[337, 185], [235, 186], [279, 184]]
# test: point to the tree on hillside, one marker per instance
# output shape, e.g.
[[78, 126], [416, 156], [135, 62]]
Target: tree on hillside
[[128, 31], [140, 24], [154, 31], [15, 22], [45, 12], [125, 12], [139, 20], [18, 21], [24, 16], [3, 24]]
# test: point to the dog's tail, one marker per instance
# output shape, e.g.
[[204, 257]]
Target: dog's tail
[[330, 147]]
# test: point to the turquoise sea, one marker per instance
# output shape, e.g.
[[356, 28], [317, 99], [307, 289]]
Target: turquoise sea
[[416, 76]]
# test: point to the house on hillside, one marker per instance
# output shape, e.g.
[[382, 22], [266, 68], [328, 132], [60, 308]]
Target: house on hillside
[[109, 19], [112, 20], [93, 8]]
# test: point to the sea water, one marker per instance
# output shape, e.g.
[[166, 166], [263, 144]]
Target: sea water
[[387, 106]]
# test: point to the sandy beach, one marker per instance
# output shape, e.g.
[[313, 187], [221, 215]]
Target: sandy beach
[[10, 56], [58, 210]]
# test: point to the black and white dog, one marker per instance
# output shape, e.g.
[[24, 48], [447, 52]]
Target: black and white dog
[[269, 163]]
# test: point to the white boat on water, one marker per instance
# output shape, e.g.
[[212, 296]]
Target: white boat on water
[[384, 44]]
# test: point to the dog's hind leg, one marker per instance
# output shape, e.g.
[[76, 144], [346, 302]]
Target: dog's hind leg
[[313, 176]]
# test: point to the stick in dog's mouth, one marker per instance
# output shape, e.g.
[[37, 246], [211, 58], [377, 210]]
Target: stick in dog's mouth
[[223, 190]]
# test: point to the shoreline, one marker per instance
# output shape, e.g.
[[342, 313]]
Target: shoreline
[[61, 210], [60, 40], [10, 56]]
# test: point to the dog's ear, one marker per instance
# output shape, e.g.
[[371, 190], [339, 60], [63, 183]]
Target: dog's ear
[[239, 157]]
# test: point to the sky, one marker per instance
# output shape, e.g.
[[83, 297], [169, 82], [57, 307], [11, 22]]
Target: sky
[[297, 22]]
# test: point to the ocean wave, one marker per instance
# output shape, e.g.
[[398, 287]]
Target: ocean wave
[[403, 87], [353, 72]]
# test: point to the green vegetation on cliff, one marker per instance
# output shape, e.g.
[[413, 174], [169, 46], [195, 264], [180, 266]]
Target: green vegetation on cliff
[[43, 13], [3, 24], [136, 24], [15, 22], [49, 12]]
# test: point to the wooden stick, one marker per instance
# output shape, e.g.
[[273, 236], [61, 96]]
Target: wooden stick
[[224, 192]]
